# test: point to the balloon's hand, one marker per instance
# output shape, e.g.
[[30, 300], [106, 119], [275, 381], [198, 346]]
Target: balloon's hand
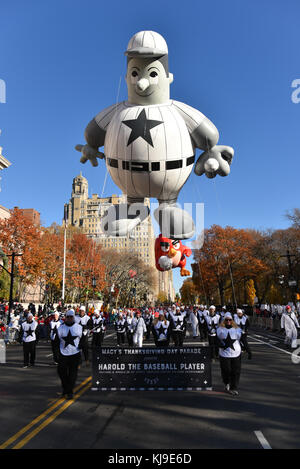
[[215, 161], [89, 153], [165, 263]]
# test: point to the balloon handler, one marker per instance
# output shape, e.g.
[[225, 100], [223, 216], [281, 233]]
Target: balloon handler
[[150, 143]]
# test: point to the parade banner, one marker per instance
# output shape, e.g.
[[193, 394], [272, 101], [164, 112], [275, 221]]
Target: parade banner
[[149, 369]]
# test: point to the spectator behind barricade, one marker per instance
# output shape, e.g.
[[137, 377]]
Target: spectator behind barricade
[[2, 330], [258, 311]]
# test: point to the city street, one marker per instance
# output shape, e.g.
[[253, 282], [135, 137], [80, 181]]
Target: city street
[[264, 415]]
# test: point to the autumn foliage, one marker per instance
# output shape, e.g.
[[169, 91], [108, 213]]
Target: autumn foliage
[[234, 266], [19, 235], [226, 265], [240, 266], [42, 260]]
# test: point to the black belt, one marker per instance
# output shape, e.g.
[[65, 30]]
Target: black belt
[[149, 166]]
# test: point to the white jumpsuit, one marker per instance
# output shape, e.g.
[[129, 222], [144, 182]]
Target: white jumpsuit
[[194, 322], [290, 323], [139, 330]]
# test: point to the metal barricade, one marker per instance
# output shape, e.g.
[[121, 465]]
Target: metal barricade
[[2, 347]]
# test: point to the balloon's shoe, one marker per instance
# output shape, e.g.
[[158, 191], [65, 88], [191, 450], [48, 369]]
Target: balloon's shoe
[[174, 222], [121, 219]]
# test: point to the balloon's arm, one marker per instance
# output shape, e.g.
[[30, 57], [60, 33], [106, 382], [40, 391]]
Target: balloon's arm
[[94, 136], [187, 251], [205, 136]]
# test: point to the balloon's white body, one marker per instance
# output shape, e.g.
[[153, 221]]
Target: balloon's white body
[[141, 169]]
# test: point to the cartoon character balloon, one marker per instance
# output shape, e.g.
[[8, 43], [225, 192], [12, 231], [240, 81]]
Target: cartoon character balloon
[[150, 143], [170, 254]]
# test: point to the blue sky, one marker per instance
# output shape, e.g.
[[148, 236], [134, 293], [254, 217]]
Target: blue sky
[[63, 61]]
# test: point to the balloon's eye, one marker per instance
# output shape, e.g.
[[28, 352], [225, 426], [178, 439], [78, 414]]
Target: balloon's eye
[[164, 247], [153, 74]]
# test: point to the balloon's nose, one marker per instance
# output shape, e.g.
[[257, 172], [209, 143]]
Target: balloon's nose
[[172, 253], [143, 84]]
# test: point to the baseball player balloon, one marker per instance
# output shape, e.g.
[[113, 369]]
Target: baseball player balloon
[[150, 142]]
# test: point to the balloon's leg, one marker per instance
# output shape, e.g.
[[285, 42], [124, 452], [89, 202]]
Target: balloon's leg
[[121, 219], [174, 222]]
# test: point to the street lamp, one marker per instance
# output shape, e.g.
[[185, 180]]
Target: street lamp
[[65, 250], [292, 282], [12, 276]]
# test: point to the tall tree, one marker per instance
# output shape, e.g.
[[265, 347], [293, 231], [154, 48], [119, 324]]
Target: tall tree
[[18, 235], [227, 260]]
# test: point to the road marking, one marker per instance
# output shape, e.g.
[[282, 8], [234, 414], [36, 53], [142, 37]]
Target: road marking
[[264, 443], [273, 346], [40, 417], [50, 419]]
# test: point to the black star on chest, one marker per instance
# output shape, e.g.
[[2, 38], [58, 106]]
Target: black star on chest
[[141, 127], [29, 332], [120, 325], [228, 342], [178, 323], [69, 339], [162, 330]]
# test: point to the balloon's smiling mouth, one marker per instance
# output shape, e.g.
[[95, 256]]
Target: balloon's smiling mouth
[[144, 94]]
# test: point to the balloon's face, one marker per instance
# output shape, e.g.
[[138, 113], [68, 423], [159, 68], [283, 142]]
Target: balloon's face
[[147, 82], [170, 248]]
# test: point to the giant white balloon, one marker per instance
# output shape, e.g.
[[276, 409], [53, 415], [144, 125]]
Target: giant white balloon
[[150, 141]]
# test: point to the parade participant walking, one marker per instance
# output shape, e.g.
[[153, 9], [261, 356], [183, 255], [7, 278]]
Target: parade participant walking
[[121, 327], [161, 331], [29, 337], [242, 321], [178, 326], [139, 329], [54, 325], [14, 327], [229, 336], [98, 328], [148, 322], [202, 313], [212, 321], [193, 319], [222, 313], [290, 325], [69, 334], [130, 328], [84, 320]]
